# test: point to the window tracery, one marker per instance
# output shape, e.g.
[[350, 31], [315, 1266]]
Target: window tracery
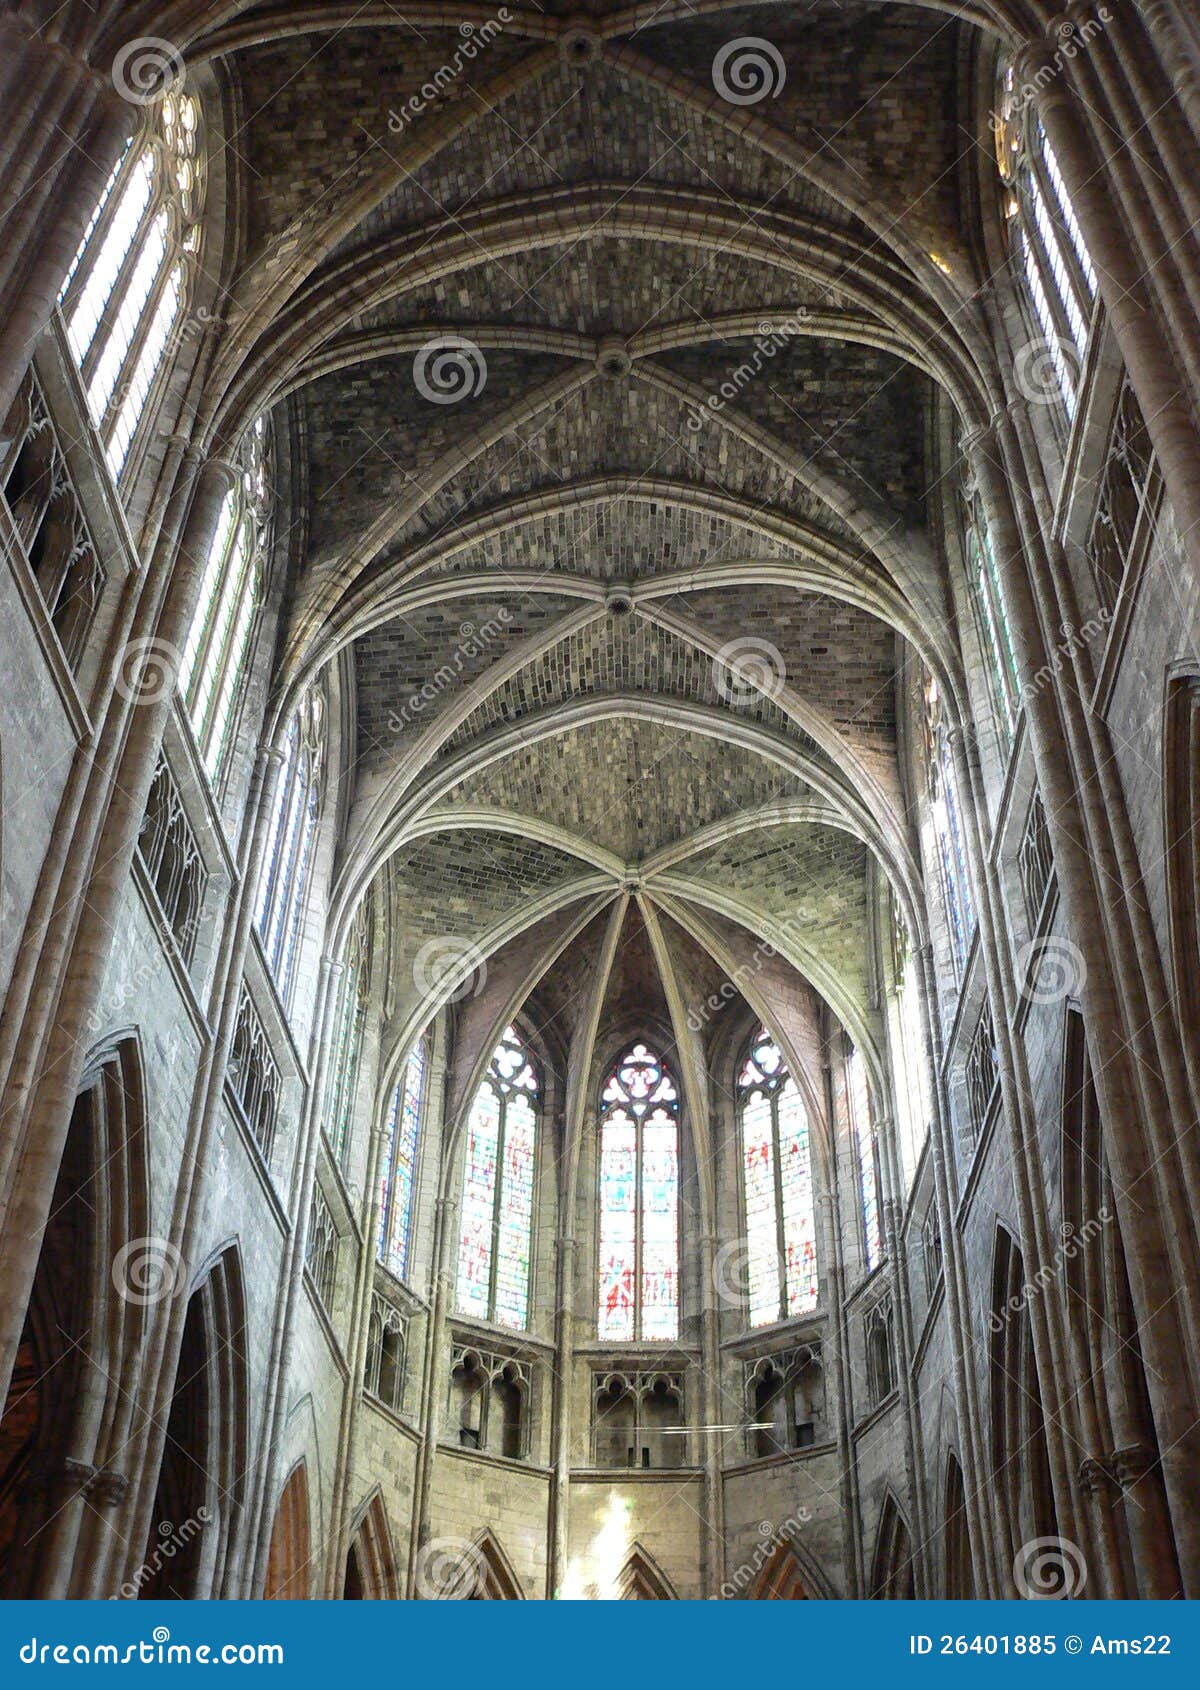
[[638, 1134], [785, 1400], [489, 1400], [782, 1279], [49, 521], [321, 1252], [859, 1106], [991, 614], [387, 1336], [946, 814], [495, 1242], [171, 854], [291, 840], [638, 1419], [1046, 239], [349, 1019], [398, 1168], [214, 662], [127, 289], [254, 1075]]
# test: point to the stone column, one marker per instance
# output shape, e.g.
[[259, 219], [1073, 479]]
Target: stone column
[[1153, 370], [65, 126], [566, 1257], [56, 986]]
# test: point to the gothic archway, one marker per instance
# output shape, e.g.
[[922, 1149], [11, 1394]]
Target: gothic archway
[[371, 1561], [201, 1479], [892, 1564], [780, 1579], [289, 1558], [74, 1385]]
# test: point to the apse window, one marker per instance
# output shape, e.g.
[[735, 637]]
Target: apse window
[[496, 1240], [639, 1201], [777, 1186]]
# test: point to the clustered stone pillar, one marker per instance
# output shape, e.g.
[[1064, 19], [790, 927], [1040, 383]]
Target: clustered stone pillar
[[64, 128]]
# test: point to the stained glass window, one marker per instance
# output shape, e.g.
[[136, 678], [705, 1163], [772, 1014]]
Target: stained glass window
[[126, 290], [398, 1169], [287, 863], [639, 1201], [1057, 269], [777, 1187], [864, 1148], [349, 1016], [946, 815], [496, 1236]]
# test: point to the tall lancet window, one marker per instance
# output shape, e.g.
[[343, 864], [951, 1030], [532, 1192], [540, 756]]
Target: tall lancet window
[[496, 1240], [777, 1185], [946, 813], [639, 1201], [992, 616], [398, 1172], [213, 667], [287, 865], [1047, 242], [127, 289], [859, 1102], [349, 1019]]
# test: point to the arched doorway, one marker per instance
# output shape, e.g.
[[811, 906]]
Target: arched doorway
[[201, 1480], [289, 1558]]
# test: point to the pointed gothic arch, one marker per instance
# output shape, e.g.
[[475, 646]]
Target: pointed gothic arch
[[1020, 1457], [203, 1465], [73, 1390], [643, 1580], [892, 1564], [958, 1573], [494, 1576], [781, 1578], [371, 1558], [1100, 1309], [290, 1557]]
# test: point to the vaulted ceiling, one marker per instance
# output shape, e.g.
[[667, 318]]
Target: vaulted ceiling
[[611, 371]]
